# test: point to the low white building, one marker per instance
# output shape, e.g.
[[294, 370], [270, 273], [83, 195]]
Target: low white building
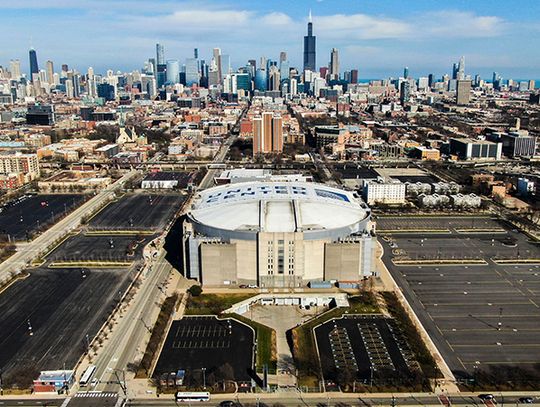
[[466, 201], [384, 192], [433, 200]]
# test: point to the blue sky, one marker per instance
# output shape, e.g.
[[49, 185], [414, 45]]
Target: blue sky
[[378, 37]]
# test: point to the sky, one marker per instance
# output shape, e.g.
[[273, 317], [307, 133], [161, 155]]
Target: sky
[[377, 37]]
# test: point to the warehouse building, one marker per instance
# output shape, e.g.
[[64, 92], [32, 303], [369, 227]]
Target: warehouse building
[[277, 234], [468, 149]]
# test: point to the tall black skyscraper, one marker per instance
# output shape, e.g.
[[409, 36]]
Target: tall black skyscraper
[[309, 47], [33, 62]]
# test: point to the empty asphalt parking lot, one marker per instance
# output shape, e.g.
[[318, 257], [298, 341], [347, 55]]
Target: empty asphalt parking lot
[[479, 316], [222, 347], [47, 316], [22, 217], [138, 212], [81, 247]]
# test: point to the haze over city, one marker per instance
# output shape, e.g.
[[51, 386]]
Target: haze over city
[[377, 37]]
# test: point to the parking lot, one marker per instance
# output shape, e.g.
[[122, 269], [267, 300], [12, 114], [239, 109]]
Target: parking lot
[[481, 317], [366, 347], [138, 212], [21, 218], [48, 318], [354, 171], [450, 224], [223, 348], [83, 247]]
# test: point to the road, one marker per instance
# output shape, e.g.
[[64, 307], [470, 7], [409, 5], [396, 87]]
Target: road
[[20, 260], [316, 400], [126, 340], [208, 179], [337, 399]]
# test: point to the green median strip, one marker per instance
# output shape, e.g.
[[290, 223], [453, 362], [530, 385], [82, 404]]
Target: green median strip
[[438, 262], [91, 264], [118, 232], [481, 230], [516, 261], [394, 231]]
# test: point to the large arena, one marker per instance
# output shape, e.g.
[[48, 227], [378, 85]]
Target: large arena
[[277, 234]]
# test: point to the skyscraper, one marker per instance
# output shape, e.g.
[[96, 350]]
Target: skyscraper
[[282, 56], [461, 69], [160, 54], [50, 72], [216, 59], [406, 72], [192, 72], [33, 62], [334, 64], [15, 68], [354, 75], [310, 47], [196, 53], [261, 80], [405, 92], [225, 65], [173, 71]]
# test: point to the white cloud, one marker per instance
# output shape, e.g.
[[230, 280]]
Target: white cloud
[[459, 24], [361, 26]]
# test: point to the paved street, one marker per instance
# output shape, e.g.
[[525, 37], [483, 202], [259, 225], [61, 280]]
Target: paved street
[[126, 341]]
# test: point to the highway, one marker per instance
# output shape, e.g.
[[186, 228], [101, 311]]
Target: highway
[[22, 258]]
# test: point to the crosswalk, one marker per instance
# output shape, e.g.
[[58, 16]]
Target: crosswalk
[[96, 394]]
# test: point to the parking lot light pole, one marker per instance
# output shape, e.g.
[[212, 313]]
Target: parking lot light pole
[[204, 377]]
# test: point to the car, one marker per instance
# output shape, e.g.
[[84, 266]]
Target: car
[[486, 396], [252, 285], [94, 382], [526, 400], [228, 403], [243, 286]]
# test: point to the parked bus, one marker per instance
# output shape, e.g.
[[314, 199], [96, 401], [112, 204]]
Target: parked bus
[[87, 375], [187, 396]]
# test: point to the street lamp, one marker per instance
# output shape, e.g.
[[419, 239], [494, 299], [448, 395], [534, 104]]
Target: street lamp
[[122, 384], [204, 377]]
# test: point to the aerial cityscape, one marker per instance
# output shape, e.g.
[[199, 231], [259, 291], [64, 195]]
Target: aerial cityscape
[[305, 203]]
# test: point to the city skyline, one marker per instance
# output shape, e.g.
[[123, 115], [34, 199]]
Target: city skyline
[[378, 40]]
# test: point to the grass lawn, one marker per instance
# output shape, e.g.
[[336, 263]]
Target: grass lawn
[[266, 344], [213, 304], [305, 351]]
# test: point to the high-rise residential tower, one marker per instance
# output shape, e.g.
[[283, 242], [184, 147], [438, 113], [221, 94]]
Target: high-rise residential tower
[[267, 134], [310, 47]]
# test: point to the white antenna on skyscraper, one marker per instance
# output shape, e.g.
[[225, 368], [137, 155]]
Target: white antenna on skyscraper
[[310, 19]]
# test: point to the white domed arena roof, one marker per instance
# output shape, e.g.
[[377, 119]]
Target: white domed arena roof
[[252, 207]]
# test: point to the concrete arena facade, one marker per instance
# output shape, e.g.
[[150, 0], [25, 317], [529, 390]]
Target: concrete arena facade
[[277, 234]]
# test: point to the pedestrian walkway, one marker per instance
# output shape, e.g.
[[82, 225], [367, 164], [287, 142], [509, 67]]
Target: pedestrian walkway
[[96, 394]]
